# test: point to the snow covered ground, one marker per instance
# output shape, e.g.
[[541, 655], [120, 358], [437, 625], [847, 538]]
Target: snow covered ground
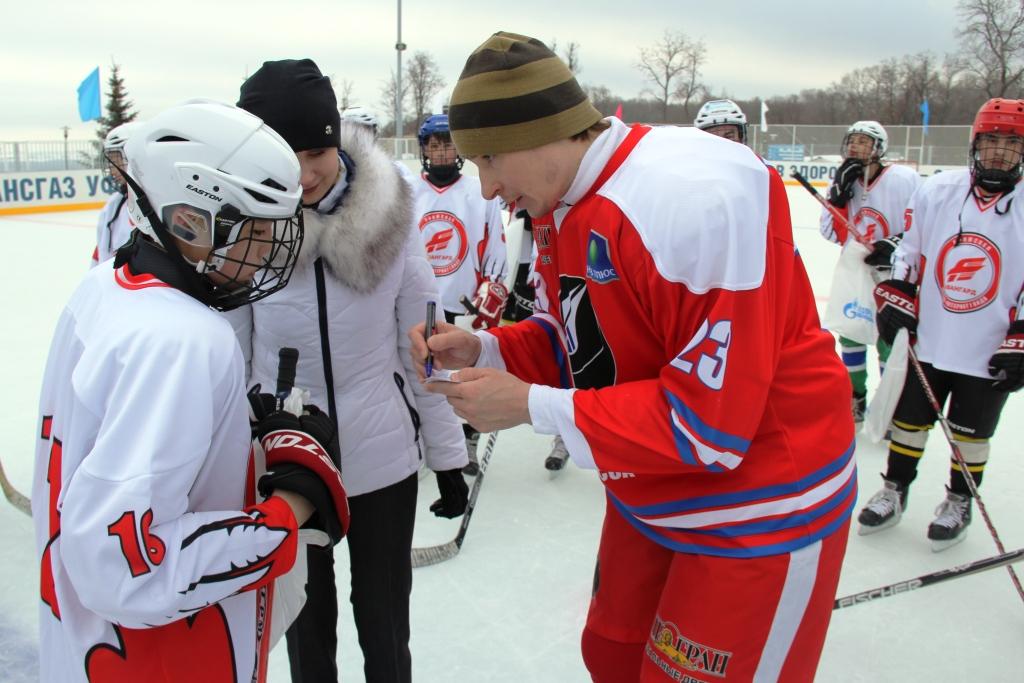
[[511, 606]]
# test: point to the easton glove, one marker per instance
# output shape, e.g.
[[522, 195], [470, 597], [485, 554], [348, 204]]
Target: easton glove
[[881, 252], [299, 458], [454, 494], [841, 190], [1007, 363], [896, 301]]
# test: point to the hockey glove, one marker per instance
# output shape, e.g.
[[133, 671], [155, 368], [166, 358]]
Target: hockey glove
[[841, 190], [298, 460], [896, 301], [260, 405], [489, 303], [1007, 363], [454, 494], [881, 252]]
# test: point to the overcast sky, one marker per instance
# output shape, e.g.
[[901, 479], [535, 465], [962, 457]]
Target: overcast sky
[[172, 50]]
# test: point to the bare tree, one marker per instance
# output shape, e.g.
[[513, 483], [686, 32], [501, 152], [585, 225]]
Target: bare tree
[[387, 103], [572, 57], [424, 80], [992, 41], [343, 89], [672, 65]]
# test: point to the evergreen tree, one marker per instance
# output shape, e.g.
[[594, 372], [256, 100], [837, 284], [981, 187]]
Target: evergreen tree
[[119, 107]]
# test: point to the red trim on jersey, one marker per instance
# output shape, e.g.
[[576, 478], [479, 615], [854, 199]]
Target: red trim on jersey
[[877, 177], [440, 190], [129, 280], [636, 133], [986, 204]]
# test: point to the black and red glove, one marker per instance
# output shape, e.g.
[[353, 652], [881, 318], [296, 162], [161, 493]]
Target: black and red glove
[[881, 252], [896, 301], [488, 304], [301, 454], [1007, 363]]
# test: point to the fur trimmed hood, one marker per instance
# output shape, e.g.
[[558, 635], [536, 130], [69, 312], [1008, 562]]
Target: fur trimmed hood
[[367, 232]]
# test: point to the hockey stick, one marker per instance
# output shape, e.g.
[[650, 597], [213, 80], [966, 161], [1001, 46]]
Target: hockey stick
[[959, 458], [930, 579], [15, 497], [836, 215], [422, 557]]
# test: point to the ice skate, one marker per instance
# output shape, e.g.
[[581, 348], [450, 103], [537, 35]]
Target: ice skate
[[951, 519], [472, 468], [884, 509], [558, 456]]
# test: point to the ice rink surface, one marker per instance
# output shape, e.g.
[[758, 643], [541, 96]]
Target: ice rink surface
[[511, 606]]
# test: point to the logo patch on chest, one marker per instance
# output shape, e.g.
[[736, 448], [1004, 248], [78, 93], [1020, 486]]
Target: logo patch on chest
[[599, 262]]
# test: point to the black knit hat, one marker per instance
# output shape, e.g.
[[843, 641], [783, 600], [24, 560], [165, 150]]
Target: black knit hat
[[296, 100]]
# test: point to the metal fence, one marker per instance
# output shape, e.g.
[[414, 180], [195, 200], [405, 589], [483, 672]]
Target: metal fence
[[49, 155], [941, 146]]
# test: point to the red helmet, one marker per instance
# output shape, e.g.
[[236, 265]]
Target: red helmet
[[999, 116]]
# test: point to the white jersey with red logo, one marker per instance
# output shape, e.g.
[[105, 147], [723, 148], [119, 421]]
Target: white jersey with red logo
[[677, 321], [154, 565], [876, 211], [464, 238], [967, 256], [113, 228]]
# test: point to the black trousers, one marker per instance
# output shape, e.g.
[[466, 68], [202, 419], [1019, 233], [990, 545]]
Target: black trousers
[[379, 541]]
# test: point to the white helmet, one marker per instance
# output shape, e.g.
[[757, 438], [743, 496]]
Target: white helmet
[[119, 135], [722, 113], [362, 116], [198, 174], [113, 146], [874, 130]]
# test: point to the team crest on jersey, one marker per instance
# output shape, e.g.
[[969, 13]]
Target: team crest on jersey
[[684, 653], [599, 263], [590, 357], [871, 223], [444, 237], [968, 273]]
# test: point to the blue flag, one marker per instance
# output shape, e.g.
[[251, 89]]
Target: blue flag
[[924, 117], [89, 97]]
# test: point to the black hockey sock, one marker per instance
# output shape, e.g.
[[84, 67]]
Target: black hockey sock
[[957, 481]]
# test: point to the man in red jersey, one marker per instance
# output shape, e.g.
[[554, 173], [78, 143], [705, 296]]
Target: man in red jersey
[[676, 349]]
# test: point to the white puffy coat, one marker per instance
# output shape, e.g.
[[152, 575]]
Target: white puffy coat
[[378, 283]]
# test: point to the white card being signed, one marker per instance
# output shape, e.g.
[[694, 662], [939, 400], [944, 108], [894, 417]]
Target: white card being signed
[[439, 375]]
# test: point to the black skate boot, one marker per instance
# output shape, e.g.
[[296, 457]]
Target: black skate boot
[[951, 520], [884, 509]]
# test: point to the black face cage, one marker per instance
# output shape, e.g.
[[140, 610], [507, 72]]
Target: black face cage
[[273, 272], [876, 146], [425, 158], [997, 180]]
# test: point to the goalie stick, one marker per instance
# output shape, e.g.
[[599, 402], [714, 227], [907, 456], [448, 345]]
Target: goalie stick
[[15, 497], [423, 557], [930, 579]]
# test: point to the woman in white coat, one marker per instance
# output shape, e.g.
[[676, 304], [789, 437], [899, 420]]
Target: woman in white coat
[[362, 279]]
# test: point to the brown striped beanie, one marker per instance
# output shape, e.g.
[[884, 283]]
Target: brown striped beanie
[[516, 94]]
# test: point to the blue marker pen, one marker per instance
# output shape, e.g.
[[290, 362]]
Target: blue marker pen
[[431, 312]]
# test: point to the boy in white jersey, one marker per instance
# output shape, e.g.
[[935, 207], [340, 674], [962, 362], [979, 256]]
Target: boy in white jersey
[[872, 196], [956, 285], [114, 225], [157, 558], [464, 238], [723, 118]]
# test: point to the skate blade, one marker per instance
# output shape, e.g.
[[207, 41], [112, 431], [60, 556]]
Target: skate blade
[[863, 530], [939, 546]]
